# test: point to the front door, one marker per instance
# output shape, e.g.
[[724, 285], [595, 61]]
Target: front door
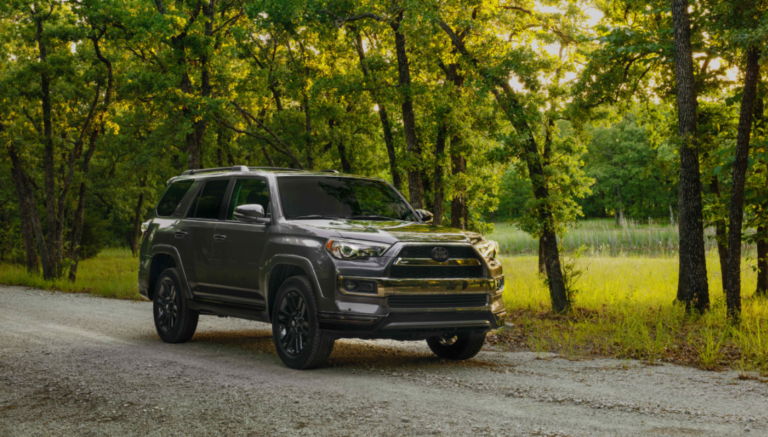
[[238, 247], [197, 232]]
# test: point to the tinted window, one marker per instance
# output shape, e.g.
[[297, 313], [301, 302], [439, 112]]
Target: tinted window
[[209, 201], [249, 192], [341, 197], [172, 197]]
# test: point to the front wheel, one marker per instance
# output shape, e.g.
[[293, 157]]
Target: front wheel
[[296, 330], [174, 321], [457, 346]]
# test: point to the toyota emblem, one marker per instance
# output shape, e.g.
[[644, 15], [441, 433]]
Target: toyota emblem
[[440, 254]]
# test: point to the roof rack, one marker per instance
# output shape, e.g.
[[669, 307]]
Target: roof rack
[[209, 170], [275, 168]]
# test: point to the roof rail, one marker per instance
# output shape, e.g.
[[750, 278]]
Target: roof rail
[[275, 168], [209, 170], [329, 171]]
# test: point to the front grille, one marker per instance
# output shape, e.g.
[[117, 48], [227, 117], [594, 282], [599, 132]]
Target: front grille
[[436, 272], [438, 301], [426, 251]]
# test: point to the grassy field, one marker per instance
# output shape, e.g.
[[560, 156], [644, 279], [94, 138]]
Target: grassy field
[[624, 309], [600, 237], [113, 273]]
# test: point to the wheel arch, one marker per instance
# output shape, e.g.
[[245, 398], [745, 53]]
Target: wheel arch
[[281, 268], [164, 257]]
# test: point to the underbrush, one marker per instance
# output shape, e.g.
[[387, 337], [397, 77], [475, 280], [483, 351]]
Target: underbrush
[[625, 309], [112, 273]]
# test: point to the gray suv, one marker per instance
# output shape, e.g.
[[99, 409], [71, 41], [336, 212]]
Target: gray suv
[[320, 256]]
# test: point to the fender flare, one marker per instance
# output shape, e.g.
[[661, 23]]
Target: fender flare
[[167, 249], [295, 260]]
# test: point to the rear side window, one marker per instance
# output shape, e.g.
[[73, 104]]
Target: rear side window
[[249, 192], [209, 201], [172, 197]]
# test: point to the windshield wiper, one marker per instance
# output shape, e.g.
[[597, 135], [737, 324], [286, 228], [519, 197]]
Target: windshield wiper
[[313, 216], [373, 217]]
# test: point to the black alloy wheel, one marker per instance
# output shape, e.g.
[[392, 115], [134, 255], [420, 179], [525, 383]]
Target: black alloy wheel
[[167, 307], [299, 342], [293, 323], [174, 321]]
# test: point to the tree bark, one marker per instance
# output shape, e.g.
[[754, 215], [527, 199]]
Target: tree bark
[[736, 213], [762, 262], [542, 256], [437, 209], [721, 237], [24, 192], [27, 234], [415, 187], [459, 202], [137, 219], [692, 283]]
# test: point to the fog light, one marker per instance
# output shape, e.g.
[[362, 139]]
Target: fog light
[[357, 286], [351, 285]]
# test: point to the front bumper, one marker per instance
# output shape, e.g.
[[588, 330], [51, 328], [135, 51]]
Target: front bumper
[[368, 315]]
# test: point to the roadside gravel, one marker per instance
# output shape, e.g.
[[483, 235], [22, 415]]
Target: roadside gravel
[[74, 364]]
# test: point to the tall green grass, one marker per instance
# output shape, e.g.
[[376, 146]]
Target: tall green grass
[[113, 273], [601, 236], [624, 308]]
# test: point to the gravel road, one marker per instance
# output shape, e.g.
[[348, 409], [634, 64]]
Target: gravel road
[[74, 364]]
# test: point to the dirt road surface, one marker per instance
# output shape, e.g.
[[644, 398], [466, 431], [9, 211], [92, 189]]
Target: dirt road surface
[[73, 364]]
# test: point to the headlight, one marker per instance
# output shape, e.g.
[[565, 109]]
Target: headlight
[[350, 249], [488, 249]]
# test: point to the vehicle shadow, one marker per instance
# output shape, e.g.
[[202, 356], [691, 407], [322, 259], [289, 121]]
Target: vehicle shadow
[[346, 353]]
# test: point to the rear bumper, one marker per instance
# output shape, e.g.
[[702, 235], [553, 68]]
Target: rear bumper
[[368, 315]]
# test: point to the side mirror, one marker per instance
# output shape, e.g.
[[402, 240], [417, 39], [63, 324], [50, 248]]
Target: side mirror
[[252, 213], [425, 215]]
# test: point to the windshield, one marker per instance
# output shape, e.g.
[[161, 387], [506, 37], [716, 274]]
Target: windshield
[[336, 197]]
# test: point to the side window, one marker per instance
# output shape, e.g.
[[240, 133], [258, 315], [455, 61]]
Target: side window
[[249, 192], [209, 201], [173, 195]]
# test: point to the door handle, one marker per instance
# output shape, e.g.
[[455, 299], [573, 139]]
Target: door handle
[[219, 237], [181, 234]]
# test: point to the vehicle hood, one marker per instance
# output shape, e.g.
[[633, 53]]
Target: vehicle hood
[[395, 231]]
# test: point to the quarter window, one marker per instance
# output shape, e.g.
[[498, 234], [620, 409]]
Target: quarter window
[[209, 201], [172, 197], [249, 192]]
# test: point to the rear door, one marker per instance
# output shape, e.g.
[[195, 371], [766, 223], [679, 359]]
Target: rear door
[[238, 247], [195, 236]]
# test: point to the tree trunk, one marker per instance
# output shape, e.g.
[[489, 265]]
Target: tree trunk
[[24, 192], [386, 127], [720, 237], [137, 219], [736, 213], [415, 188], [620, 208], [437, 209], [542, 256], [27, 234], [762, 262], [459, 203], [692, 283], [671, 216], [77, 227]]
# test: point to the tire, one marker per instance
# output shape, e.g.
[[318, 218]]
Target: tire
[[457, 347], [174, 321], [296, 330]]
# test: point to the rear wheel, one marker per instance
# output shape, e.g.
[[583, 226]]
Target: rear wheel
[[174, 321], [296, 330], [457, 346]]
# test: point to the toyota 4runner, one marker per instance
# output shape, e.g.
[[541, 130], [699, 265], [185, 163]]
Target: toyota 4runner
[[320, 256]]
